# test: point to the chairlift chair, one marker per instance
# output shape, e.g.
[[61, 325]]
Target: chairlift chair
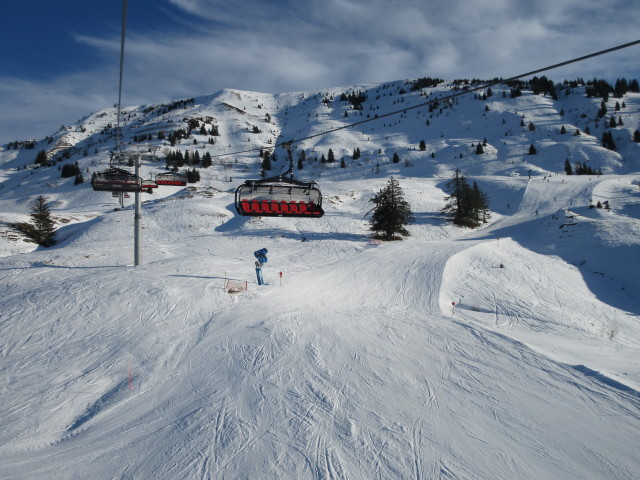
[[178, 179], [279, 196], [148, 185], [116, 179]]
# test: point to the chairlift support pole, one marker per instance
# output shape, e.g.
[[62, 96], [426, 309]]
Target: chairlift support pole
[[137, 218]]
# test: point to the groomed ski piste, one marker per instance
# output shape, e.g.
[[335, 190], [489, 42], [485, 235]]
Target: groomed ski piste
[[355, 364]]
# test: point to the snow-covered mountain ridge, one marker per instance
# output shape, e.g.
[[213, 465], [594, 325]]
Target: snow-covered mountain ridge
[[354, 363]]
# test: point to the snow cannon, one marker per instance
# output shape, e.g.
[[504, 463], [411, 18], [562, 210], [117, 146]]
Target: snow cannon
[[261, 255]]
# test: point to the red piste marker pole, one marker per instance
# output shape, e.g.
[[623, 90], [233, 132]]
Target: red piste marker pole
[[280, 278]]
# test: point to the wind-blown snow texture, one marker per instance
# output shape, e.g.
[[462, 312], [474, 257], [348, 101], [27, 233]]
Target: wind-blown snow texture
[[354, 365]]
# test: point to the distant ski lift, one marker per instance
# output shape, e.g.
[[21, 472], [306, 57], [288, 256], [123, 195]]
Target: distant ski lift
[[148, 185], [116, 179], [178, 179], [279, 196]]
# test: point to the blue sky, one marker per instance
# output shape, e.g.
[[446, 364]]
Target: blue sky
[[59, 59]]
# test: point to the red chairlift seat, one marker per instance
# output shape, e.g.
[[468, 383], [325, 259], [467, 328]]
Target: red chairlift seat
[[148, 185], [177, 179], [279, 196]]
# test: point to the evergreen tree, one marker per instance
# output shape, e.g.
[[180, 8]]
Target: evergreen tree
[[193, 176], [455, 201], [568, 169], [532, 150], [266, 162], [607, 141], [41, 158], [620, 88], [396, 157], [479, 149], [391, 212], [603, 109], [342, 164], [79, 179], [467, 206], [636, 136], [330, 157], [207, 161], [44, 230], [423, 146], [70, 170]]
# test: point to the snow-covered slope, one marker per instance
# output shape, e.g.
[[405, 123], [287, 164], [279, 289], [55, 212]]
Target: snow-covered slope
[[354, 363]]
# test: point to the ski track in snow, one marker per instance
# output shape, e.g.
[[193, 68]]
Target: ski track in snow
[[302, 389]]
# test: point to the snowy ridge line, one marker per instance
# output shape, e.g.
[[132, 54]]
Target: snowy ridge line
[[289, 143]]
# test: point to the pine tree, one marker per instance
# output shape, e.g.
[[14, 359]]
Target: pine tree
[[607, 141], [467, 206], [330, 157], [455, 201], [532, 150], [423, 146], [44, 230], [396, 157], [391, 212], [41, 158], [479, 149], [568, 169], [636, 136], [603, 109], [266, 162], [207, 161]]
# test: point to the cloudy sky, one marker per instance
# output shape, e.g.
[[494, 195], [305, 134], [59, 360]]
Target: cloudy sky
[[59, 59]]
